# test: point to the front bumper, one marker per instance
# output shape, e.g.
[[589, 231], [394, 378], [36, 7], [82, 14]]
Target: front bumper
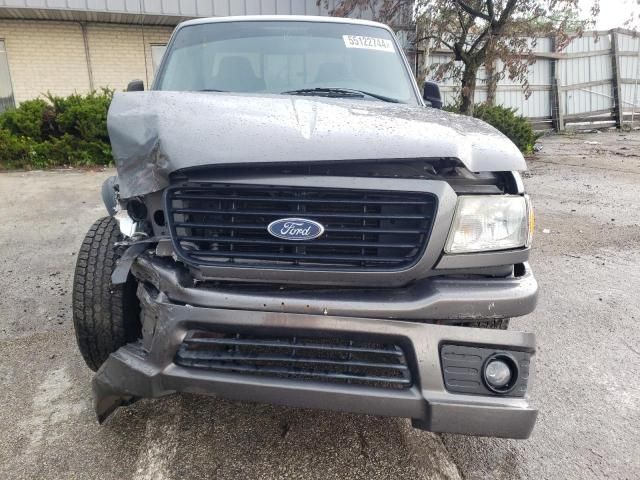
[[147, 369], [442, 299]]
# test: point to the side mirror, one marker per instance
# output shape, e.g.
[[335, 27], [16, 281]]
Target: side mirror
[[431, 94], [135, 86]]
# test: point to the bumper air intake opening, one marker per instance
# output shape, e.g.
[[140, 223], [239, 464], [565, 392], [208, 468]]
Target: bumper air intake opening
[[335, 360]]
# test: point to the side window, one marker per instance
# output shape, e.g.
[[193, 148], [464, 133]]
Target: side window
[[6, 90], [157, 51]]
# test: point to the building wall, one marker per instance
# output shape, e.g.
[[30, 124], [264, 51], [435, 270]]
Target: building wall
[[120, 53], [52, 56], [44, 56]]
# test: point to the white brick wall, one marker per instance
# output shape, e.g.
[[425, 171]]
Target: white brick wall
[[44, 56], [50, 56], [119, 54]]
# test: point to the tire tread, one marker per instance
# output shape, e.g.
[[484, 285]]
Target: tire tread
[[104, 315]]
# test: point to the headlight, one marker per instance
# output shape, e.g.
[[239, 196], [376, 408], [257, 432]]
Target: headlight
[[483, 223]]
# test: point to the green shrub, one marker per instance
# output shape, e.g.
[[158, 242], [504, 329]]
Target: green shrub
[[27, 120], [84, 117], [72, 150], [453, 108], [514, 126], [57, 131], [14, 150]]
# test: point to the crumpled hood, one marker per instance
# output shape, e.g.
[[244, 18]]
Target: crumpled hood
[[155, 133]]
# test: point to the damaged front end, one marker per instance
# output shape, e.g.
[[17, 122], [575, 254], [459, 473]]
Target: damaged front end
[[364, 315], [346, 323]]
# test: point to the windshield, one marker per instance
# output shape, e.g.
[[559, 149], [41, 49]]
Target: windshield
[[287, 57]]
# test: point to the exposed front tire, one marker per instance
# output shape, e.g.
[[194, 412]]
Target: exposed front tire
[[105, 316]]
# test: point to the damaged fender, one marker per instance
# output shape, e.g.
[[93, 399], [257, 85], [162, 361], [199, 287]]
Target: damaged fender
[[110, 195]]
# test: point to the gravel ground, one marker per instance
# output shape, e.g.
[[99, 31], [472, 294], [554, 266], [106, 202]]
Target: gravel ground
[[587, 198]]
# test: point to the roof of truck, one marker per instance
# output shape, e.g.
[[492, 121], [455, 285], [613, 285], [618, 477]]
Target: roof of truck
[[281, 18]]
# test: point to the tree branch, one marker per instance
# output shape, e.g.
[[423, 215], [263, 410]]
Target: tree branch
[[463, 25], [428, 37], [490, 10], [472, 11], [479, 39], [506, 13], [495, 27], [460, 19]]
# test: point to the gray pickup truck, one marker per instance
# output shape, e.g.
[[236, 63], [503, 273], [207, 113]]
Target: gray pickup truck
[[293, 221]]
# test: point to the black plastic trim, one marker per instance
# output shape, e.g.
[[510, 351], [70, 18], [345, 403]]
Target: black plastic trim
[[193, 260], [463, 370]]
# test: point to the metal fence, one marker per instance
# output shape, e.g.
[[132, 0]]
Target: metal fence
[[594, 80]]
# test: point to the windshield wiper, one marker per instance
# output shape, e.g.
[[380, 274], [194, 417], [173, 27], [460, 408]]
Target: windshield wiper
[[339, 92], [211, 90]]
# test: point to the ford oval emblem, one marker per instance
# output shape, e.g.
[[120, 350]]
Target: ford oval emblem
[[295, 229]]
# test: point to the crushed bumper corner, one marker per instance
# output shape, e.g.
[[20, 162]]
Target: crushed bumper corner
[[123, 379]]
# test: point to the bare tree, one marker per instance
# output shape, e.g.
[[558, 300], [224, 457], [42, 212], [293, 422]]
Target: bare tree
[[498, 34], [385, 11]]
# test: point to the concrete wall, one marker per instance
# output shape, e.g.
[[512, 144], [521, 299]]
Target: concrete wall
[[59, 57]]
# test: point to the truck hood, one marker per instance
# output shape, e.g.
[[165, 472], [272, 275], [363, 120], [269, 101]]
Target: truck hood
[[156, 133]]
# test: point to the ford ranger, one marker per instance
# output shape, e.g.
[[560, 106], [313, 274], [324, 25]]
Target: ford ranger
[[294, 221]]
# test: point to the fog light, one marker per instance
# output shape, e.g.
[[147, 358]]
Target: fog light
[[500, 373]]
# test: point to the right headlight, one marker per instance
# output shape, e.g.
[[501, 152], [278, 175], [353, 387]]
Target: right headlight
[[487, 222]]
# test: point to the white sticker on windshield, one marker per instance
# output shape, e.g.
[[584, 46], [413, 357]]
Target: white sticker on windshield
[[369, 43]]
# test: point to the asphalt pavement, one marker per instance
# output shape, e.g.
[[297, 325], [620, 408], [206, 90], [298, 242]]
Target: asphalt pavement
[[586, 258]]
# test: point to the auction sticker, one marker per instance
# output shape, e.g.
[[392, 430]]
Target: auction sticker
[[369, 43]]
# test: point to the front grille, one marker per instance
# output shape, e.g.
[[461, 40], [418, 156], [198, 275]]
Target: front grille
[[222, 224], [334, 360]]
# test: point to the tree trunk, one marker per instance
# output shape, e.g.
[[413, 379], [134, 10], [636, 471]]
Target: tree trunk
[[492, 83], [468, 90]]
